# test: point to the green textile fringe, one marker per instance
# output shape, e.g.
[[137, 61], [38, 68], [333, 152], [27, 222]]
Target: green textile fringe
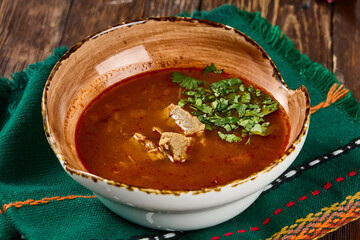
[[314, 73], [11, 90]]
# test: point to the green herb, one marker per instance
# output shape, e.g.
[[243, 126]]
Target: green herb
[[204, 108], [190, 100], [242, 88], [251, 89], [247, 124], [240, 108], [208, 127], [227, 105], [246, 98], [260, 129], [248, 141], [185, 81], [182, 102], [266, 109], [212, 68], [229, 137]]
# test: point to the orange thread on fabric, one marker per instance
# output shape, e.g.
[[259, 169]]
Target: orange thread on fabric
[[335, 93], [321, 228], [19, 204], [327, 226]]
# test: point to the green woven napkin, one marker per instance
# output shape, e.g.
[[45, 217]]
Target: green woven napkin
[[318, 194]]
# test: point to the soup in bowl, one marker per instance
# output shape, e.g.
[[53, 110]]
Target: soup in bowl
[[173, 123]]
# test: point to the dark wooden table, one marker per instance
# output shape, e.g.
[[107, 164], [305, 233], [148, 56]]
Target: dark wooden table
[[329, 33]]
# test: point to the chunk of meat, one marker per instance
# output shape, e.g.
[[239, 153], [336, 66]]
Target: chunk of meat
[[175, 145], [153, 151], [188, 123]]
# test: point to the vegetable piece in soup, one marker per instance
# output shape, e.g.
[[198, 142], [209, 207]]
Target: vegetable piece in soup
[[181, 129]]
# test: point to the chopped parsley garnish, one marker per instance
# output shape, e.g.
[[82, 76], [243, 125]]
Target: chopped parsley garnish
[[229, 137], [212, 68], [234, 110], [185, 81]]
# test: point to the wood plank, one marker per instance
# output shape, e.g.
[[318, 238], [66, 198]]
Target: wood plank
[[159, 8], [87, 17], [29, 31], [349, 231], [346, 64], [346, 37], [306, 23]]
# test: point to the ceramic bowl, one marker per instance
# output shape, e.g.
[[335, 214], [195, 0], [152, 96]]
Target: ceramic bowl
[[118, 52]]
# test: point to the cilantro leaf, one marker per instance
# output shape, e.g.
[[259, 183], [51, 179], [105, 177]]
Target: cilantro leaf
[[185, 81], [229, 137], [204, 108], [232, 81], [219, 86], [267, 109], [245, 98], [248, 124], [230, 127], [191, 93], [254, 106], [255, 112], [214, 104], [212, 68], [201, 91], [251, 89], [223, 104], [209, 69], [242, 88], [248, 141], [236, 98], [182, 102], [198, 102], [260, 129], [240, 108], [208, 127], [223, 121], [268, 100], [190, 100]]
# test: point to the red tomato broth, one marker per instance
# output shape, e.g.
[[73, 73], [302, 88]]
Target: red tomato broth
[[136, 105]]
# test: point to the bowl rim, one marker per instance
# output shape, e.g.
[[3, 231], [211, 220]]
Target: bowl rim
[[70, 170]]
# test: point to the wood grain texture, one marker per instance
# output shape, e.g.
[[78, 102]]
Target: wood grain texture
[[345, 33], [169, 8], [306, 23], [29, 31], [87, 17], [346, 50]]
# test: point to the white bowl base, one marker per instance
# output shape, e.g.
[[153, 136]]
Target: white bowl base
[[180, 221]]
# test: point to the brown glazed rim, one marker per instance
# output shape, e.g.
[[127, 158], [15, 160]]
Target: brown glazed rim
[[234, 183]]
